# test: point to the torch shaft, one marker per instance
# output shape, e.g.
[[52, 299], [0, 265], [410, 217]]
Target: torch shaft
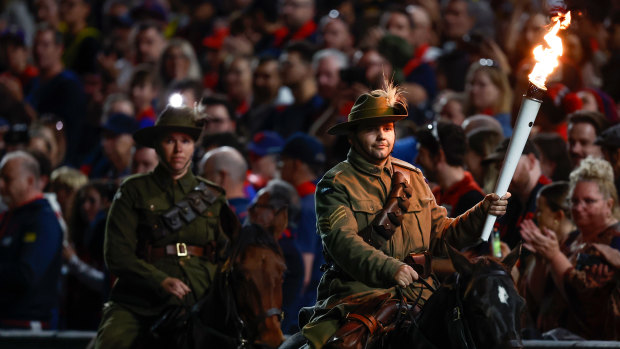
[[525, 121]]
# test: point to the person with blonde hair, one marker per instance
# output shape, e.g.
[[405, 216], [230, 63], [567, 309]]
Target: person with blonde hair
[[178, 61], [487, 91], [585, 275], [65, 182]]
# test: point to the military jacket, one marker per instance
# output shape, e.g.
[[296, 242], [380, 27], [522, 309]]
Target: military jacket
[[347, 199], [135, 222]]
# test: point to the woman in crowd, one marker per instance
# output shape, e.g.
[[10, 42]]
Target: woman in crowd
[[488, 92], [545, 305], [178, 62], [585, 275]]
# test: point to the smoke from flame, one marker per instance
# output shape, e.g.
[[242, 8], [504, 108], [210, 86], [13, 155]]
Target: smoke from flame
[[547, 57]]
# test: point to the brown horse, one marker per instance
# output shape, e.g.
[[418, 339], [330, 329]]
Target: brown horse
[[243, 307]]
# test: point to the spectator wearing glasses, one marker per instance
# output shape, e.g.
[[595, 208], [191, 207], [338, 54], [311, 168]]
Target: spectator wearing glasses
[[585, 275]]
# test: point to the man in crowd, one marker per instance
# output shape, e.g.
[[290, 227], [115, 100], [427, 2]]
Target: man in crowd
[[30, 248], [226, 167], [583, 128], [143, 160], [58, 91], [149, 42], [220, 116], [82, 41], [525, 184], [297, 74], [441, 154], [113, 159]]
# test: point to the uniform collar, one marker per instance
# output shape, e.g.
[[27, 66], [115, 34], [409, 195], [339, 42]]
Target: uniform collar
[[164, 179], [358, 161]]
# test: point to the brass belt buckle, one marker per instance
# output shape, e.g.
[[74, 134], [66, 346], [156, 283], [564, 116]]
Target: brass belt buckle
[[181, 249]]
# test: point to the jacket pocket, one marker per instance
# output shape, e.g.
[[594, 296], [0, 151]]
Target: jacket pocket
[[365, 211]]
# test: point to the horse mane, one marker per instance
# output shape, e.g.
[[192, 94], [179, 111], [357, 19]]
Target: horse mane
[[254, 235]]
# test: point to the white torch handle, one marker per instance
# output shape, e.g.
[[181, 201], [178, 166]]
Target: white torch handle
[[523, 126]]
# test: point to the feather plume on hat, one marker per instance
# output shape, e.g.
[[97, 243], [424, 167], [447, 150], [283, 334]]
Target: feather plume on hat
[[382, 106], [393, 95]]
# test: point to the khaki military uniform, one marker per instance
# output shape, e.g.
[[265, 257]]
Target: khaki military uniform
[[347, 199], [134, 226]]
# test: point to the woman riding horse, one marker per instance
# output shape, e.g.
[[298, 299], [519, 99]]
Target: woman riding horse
[[165, 233]]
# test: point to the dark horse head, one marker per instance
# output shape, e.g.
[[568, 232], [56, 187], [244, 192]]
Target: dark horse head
[[478, 307], [243, 308]]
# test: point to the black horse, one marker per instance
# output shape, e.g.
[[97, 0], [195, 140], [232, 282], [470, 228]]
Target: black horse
[[243, 306], [478, 307]]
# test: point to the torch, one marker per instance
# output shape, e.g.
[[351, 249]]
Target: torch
[[547, 60]]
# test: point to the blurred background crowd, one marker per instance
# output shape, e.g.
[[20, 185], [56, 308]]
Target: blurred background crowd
[[79, 77]]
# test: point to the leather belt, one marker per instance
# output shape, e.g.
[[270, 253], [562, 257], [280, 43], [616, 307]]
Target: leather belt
[[180, 249]]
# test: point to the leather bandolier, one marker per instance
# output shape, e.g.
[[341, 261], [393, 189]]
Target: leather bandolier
[[370, 320], [385, 224], [194, 204]]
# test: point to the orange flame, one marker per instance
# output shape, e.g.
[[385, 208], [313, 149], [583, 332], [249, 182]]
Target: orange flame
[[547, 57]]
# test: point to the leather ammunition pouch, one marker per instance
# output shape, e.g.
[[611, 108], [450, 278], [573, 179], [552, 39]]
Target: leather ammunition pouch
[[188, 209], [420, 262], [391, 216]]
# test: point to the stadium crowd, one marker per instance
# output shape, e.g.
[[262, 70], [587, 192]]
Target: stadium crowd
[[268, 78]]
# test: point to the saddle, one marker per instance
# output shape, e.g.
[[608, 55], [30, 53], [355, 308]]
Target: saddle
[[370, 322]]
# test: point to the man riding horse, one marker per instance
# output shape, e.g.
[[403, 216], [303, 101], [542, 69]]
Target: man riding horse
[[373, 211]]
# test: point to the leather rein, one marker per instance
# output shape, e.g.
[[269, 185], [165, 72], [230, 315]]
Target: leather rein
[[463, 339], [246, 331], [243, 339]]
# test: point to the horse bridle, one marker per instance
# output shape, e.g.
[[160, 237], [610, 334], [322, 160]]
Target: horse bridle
[[464, 338], [244, 329]]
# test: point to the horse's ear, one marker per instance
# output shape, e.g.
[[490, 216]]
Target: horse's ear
[[461, 263], [511, 259]]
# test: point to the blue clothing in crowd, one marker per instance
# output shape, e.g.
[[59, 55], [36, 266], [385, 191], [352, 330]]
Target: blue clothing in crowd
[[30, 261], [240, 207]]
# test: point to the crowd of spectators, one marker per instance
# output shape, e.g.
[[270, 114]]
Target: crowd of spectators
[[268, 78]]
